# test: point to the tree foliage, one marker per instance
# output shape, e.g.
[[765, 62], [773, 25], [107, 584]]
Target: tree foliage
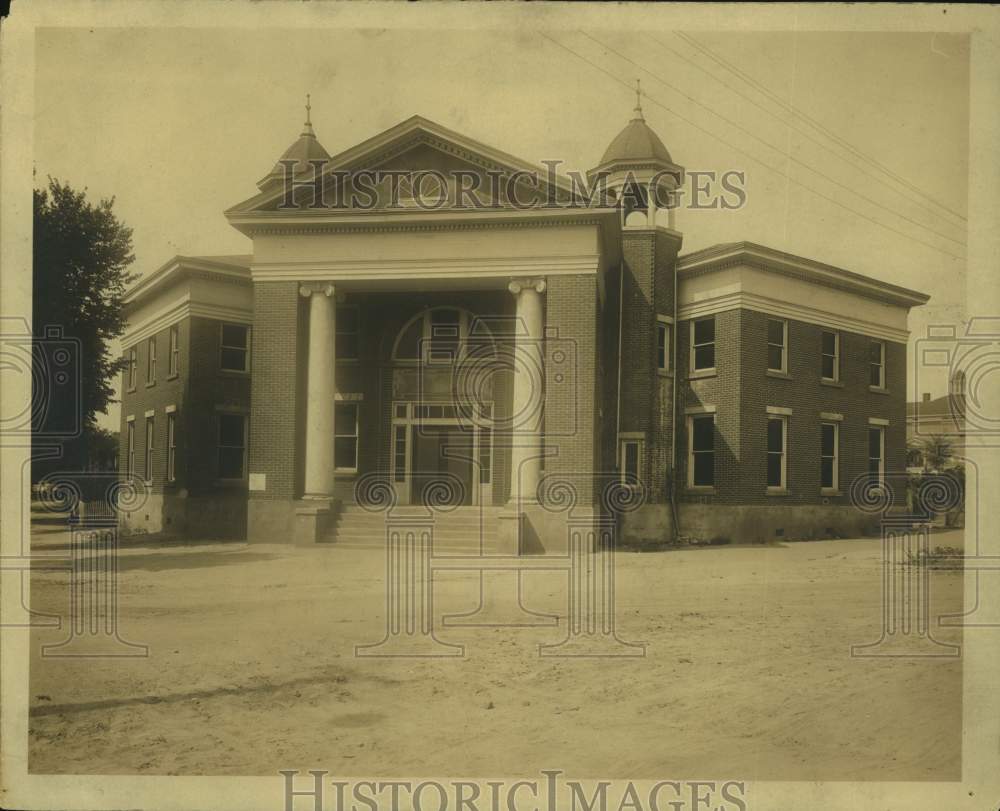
[[82, 253]]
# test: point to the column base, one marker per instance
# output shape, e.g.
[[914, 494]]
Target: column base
[[313, 519]]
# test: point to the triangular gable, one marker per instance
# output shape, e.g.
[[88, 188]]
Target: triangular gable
[[414, 144]]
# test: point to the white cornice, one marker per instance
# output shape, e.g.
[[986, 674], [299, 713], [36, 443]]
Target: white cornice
[[748, 254], [180, 266], [453, 269], [796, 312], [179, 310]]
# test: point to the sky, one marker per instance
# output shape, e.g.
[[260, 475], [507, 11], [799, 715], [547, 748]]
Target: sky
[[179, 124]]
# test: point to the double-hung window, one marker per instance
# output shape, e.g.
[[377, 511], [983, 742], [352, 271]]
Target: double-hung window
[[232, 446], [234, 353], [777, 456], [777, 345], [151, 361], [876, 364], [701, 450], [148, 461], [631, 452], [664, 327], [703, 344], [345, 443], [133, 364], [829, 455], [175, 350], [830, 356], [876, 451]]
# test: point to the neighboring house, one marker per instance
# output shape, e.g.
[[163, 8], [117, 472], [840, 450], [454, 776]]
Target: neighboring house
[[938, 418], [509, 353]]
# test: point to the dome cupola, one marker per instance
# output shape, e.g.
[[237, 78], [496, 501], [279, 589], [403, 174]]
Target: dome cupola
[[638, 168], [307, 148]]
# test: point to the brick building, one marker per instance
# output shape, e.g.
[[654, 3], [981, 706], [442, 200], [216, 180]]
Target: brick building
[[506, 352]]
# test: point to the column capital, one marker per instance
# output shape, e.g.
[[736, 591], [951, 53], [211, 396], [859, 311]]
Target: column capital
[[517, 285], [306, 289]]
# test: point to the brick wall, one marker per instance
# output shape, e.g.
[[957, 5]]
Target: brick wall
[[571, 391], [276, 388], [743, 389], [165, 391]]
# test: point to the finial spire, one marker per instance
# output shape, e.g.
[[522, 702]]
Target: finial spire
[[638, 101], [308, 127]]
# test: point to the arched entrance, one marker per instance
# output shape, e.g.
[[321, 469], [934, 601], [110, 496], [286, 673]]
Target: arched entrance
[[442, 411]]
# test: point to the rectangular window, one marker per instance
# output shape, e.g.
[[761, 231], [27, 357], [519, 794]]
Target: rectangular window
[[876, 451], [171, 447], [399, 454], [663, 329], [485, 455], [348, 333], [232, 446], [151, 361], [776, 456], [701, 456], [777, 345], [345, 444], [630, 452], [175, 349], [876, 364], [234, 355], [703, 344], [148, 461], [133, 365], [130, 460], [830, 359], [829, 455]]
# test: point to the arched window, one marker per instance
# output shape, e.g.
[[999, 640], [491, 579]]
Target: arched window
[[442, 335]]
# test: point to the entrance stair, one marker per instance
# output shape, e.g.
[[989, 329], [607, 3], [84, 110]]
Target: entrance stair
[[459, 530]]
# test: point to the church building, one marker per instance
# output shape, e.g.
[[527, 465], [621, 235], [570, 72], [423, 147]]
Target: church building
[[429, 323]]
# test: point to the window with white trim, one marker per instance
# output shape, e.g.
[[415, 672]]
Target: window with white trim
[[345, 443], [703, 344], [777, 456], [175, 349], [777, 345], [234, 348], [701, 450], [829, 455], [130, 458], [150, 437], [348, 332], [876, 451], [663, 341], [876, 364], [232, 447], [133, 365], [830, 356], [172, 447], [630, 452], [151, 361]]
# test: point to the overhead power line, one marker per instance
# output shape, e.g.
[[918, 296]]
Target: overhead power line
[[783, 152], [794, 111], [752, 157]]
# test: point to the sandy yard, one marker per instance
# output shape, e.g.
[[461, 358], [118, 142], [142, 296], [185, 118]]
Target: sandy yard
[[251, 669]]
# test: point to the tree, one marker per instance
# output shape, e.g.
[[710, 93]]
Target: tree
[[937, 452], [81, 253]]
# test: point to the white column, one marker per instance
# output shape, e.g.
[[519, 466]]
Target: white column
[[651, 205], [321, 388], [529, 380]]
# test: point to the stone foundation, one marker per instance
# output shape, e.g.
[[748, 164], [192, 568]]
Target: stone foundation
[[203, 517]]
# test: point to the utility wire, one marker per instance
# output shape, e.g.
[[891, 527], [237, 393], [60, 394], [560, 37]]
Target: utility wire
[[814, 140], [778, 149], [794, 111], [766, 165]]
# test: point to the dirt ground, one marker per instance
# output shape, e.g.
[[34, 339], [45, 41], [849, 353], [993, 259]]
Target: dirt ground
[[251, 668]]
